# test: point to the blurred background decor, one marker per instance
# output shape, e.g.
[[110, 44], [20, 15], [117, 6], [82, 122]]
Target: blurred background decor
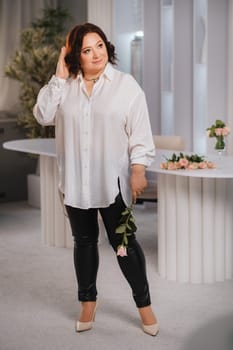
[[219, 130], [32, 65]]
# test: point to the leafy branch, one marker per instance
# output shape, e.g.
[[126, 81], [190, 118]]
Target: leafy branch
[[127, 226]]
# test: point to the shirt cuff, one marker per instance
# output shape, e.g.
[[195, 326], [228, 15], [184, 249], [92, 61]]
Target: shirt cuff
[[141, 161], [57, 82]]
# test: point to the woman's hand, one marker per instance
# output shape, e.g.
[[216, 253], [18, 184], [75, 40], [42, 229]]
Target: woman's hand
[[62, 70], [137, 181]]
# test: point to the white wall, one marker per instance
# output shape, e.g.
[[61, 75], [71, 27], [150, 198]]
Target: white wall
[[126, 21], [183, 69], [183, 65], [151, 65], [217, 61], [77, 9]]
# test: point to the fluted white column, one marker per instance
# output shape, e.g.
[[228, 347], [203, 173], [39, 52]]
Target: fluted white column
[[63, 235], [228, 229], [208, 230], [219, 233], [162, 226], [195, 239], [195, 212], [100, 12], [47, 208], [183, 218], [55, 228], [171, 227]]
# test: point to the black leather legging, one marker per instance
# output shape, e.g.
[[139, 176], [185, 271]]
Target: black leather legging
[[85, 230]]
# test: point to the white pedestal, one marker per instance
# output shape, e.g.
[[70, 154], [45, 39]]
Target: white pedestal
[[195, 220], [54, 223], [33, 186]]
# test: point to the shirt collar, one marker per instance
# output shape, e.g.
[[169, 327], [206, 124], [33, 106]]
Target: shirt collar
[[108, 72]]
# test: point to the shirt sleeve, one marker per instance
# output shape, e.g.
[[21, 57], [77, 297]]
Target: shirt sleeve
[[141, 144], [48, 100]]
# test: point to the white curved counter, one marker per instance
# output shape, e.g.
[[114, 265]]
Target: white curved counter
[[195, 221], [44, 147]]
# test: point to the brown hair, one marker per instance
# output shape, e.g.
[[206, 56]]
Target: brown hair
[[74, 42]]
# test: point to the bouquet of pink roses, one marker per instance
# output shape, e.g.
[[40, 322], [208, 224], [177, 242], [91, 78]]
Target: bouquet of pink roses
[[218, 130], [185, 161]]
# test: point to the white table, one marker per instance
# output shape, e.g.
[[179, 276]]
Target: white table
[[195, 221], [55, 228]]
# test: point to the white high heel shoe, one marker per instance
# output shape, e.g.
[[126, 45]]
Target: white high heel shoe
[[152, 329], [86, 326]]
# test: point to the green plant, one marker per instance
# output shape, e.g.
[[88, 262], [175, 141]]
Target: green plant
[[35, 62]]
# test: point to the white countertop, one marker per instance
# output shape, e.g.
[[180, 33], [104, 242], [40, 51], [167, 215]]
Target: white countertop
[[224, 164], [43, 146]]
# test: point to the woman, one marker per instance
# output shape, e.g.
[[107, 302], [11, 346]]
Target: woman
[[104, 142]]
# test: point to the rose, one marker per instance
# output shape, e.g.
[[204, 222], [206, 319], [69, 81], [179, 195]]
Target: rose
[[178, 165], [225, 131], [171, 166], [218, 131], [184, 162], [202, 165], [222, 131], [121, 251], [211, 165], [163, 166], [193, 166]]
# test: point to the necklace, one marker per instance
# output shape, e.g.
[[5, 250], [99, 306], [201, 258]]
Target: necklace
[[93, 79]]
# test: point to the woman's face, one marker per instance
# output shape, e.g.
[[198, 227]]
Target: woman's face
[[94, 56]]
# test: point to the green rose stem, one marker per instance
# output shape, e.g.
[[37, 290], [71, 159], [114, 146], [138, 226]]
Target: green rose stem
[[126, 228]]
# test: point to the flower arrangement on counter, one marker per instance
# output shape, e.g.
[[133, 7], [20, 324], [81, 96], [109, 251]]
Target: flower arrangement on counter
[[126, 228], [184, 161], [218, 130]]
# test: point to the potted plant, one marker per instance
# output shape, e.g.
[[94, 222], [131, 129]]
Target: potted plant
[[32, 65]]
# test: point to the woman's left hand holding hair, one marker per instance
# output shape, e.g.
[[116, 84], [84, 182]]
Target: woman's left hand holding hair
[[62, 70], [138, 180]]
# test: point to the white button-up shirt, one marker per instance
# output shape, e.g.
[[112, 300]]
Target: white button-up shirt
[[98, 137]]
